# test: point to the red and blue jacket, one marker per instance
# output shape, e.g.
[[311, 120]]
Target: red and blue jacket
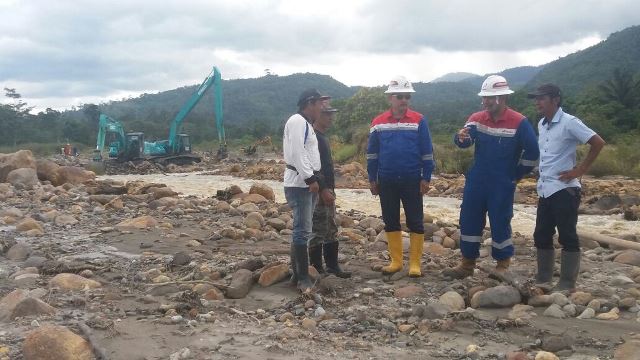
[[507, 147], [399, 149]]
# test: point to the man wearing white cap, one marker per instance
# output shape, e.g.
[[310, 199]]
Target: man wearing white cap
[[506, 149], [399, 164]]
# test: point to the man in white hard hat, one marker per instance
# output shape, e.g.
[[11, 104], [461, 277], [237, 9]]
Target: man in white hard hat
[[559, 186], [506, 149], [399, 164], [300, 147]]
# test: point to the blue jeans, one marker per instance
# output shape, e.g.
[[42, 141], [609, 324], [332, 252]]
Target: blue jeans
[[302, 202]]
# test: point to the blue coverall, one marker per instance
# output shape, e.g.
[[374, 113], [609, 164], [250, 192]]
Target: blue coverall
[[505, 151]]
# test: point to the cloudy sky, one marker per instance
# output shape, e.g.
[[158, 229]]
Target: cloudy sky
[[62, 53]]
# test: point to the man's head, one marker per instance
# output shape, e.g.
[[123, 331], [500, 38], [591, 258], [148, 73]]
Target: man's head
[[324, 122], [494, 92], [399, 91], [310, 103], [548, 99]]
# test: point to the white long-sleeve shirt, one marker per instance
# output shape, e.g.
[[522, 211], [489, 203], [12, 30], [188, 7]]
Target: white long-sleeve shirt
[[298, 152]]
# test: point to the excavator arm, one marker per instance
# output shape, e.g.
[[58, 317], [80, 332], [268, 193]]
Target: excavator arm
[[214, 78], [108, 125]]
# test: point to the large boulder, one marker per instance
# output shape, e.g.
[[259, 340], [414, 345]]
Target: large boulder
[[16, 160], [263, 190], [73, 175], [142, 222], [55, 342], [25, 177], [68, 281], [47, 170]]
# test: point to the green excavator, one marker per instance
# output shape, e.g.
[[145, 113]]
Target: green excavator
[[177, 148]]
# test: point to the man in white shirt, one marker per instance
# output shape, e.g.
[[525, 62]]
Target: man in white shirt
[[559, 187], [302, 158]]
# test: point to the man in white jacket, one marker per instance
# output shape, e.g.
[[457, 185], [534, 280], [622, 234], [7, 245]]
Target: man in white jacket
[[302, 157]]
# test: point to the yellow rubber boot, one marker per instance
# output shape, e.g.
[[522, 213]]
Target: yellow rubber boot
[[394, 243], [415, 254]]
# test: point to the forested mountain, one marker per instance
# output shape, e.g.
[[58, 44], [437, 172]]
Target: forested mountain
[[602, 84], [587, 68]]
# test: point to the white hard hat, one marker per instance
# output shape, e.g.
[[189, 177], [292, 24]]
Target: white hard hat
[[495, 85], [399, 84]]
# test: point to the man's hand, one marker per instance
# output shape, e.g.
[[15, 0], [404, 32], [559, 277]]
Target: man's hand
[[424, 187], [374, 187], [314, 187], [574, 173], [463, 134], [327, 197]]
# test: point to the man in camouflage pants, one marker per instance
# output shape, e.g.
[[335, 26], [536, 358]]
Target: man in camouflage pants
[[323, 238]]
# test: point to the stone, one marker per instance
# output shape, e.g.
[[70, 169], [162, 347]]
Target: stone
[[31, 307], [55, 342], [580, 298], [47, 170], [277, 224], [254, 220], [142, 222], [555, 343], [181, 258], [248, 208], [25, 177], [18, 252], [435, 249], [520, 311], [213, 294], [496, 297], [67, 281], [72, 175], [613, 314], [408, 291], [540, 300], [161, 192], [29, 224], [405, 328], [309, 324], [65, 219], [621, 281], [559, 299], [286, 317], [555, 311], [629, 257], [435, 310], [241, 283], [273, 275], [448, 243], [516, 355], [588, 313], [372, 222], [543, 355], [453, 300], [16, 160], [264, 190]]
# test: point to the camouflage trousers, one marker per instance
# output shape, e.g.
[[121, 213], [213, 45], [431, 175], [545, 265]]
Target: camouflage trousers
[[325, 228]]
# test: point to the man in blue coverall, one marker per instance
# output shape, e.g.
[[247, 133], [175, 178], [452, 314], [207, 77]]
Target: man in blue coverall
[[399, 165], [506, 149]]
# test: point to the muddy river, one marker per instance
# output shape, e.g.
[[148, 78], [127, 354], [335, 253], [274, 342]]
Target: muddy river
[[445, 209]]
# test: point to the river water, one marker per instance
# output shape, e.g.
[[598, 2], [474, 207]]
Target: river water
[[445, 209]]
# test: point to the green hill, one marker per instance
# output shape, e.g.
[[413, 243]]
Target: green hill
[[585, 69]]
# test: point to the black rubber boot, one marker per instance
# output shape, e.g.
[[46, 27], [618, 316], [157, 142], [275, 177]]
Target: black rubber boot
[[331, 259], [302, 262], [315, 258], [293, 281], [546, 262], [569, 270]]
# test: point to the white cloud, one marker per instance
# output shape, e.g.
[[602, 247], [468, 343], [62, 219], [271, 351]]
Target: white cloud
[[59, 53]]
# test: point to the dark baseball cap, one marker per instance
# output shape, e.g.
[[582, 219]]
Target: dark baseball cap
[[310, 95], [545, 89]]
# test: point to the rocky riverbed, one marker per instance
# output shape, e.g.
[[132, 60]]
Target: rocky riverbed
[[93, 268]]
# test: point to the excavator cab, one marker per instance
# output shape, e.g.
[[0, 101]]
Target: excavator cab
[[184, 144], [134, 146]]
